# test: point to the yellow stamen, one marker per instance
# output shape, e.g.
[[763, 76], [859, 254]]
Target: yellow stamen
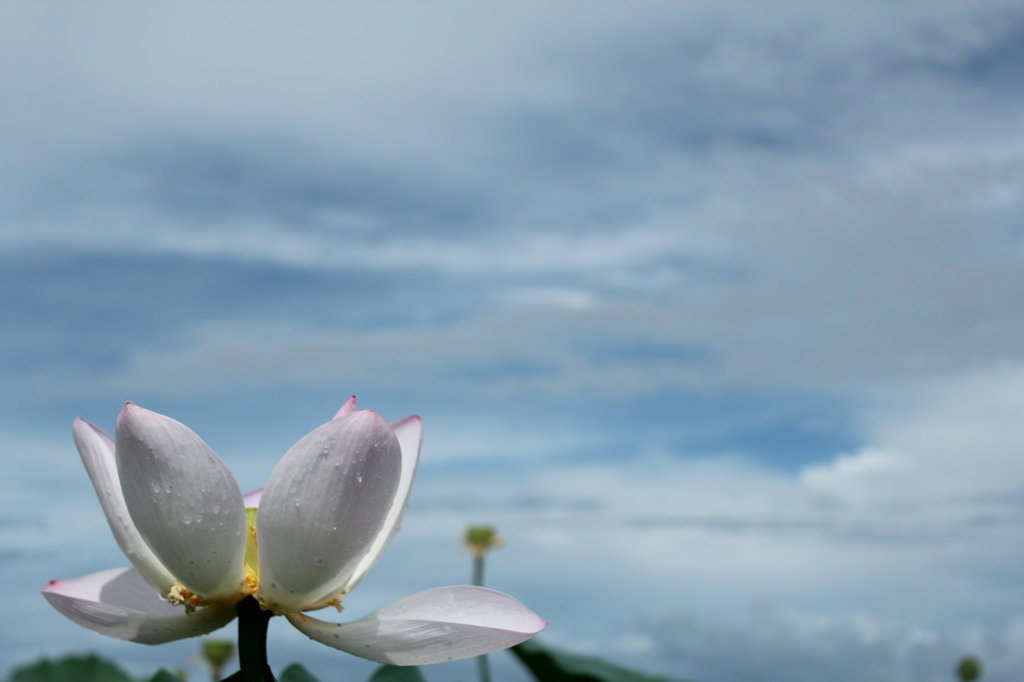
[[251, 581], [181, 595]]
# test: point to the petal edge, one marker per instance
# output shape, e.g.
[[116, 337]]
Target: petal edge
[[442, 624], [97, 451], [349, 407], [184, 501], [409, 432], [119, 603], [322, 509]]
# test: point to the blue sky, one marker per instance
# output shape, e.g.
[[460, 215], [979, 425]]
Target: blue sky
[[713, 310]]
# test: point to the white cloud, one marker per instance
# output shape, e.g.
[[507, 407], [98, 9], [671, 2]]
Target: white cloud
[[669, 554], [963, 437], [772, 645], [888, 560], [864, 246]]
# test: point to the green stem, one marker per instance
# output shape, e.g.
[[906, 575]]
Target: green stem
[[483, 667], [478, 569], [252, 642]]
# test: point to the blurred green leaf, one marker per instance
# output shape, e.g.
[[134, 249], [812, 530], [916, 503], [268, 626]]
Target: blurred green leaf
[[397, 673], [90, 668], [550, 664], [296, 673], [164, 676], [217, 652], [268, 675]]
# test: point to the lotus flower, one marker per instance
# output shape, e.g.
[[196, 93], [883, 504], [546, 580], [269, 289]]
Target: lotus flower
[[327, 513]]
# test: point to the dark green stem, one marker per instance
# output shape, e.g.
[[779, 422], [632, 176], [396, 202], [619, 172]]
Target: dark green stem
[[252, 642], [483, 668]]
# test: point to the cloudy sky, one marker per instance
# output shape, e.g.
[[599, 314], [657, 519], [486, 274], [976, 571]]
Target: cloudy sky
[[713, 309]]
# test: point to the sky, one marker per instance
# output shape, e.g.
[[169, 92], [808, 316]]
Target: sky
[[713, 309]]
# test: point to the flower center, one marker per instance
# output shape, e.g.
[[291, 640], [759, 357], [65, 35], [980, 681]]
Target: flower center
[[252, 555], [181, 595]]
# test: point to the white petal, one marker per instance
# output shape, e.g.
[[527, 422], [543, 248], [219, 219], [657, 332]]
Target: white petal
[[184, 502], [252, 500], [97, 451], [410, 437], [322, 508], [347, 408], [118, 603], [442, 624]]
